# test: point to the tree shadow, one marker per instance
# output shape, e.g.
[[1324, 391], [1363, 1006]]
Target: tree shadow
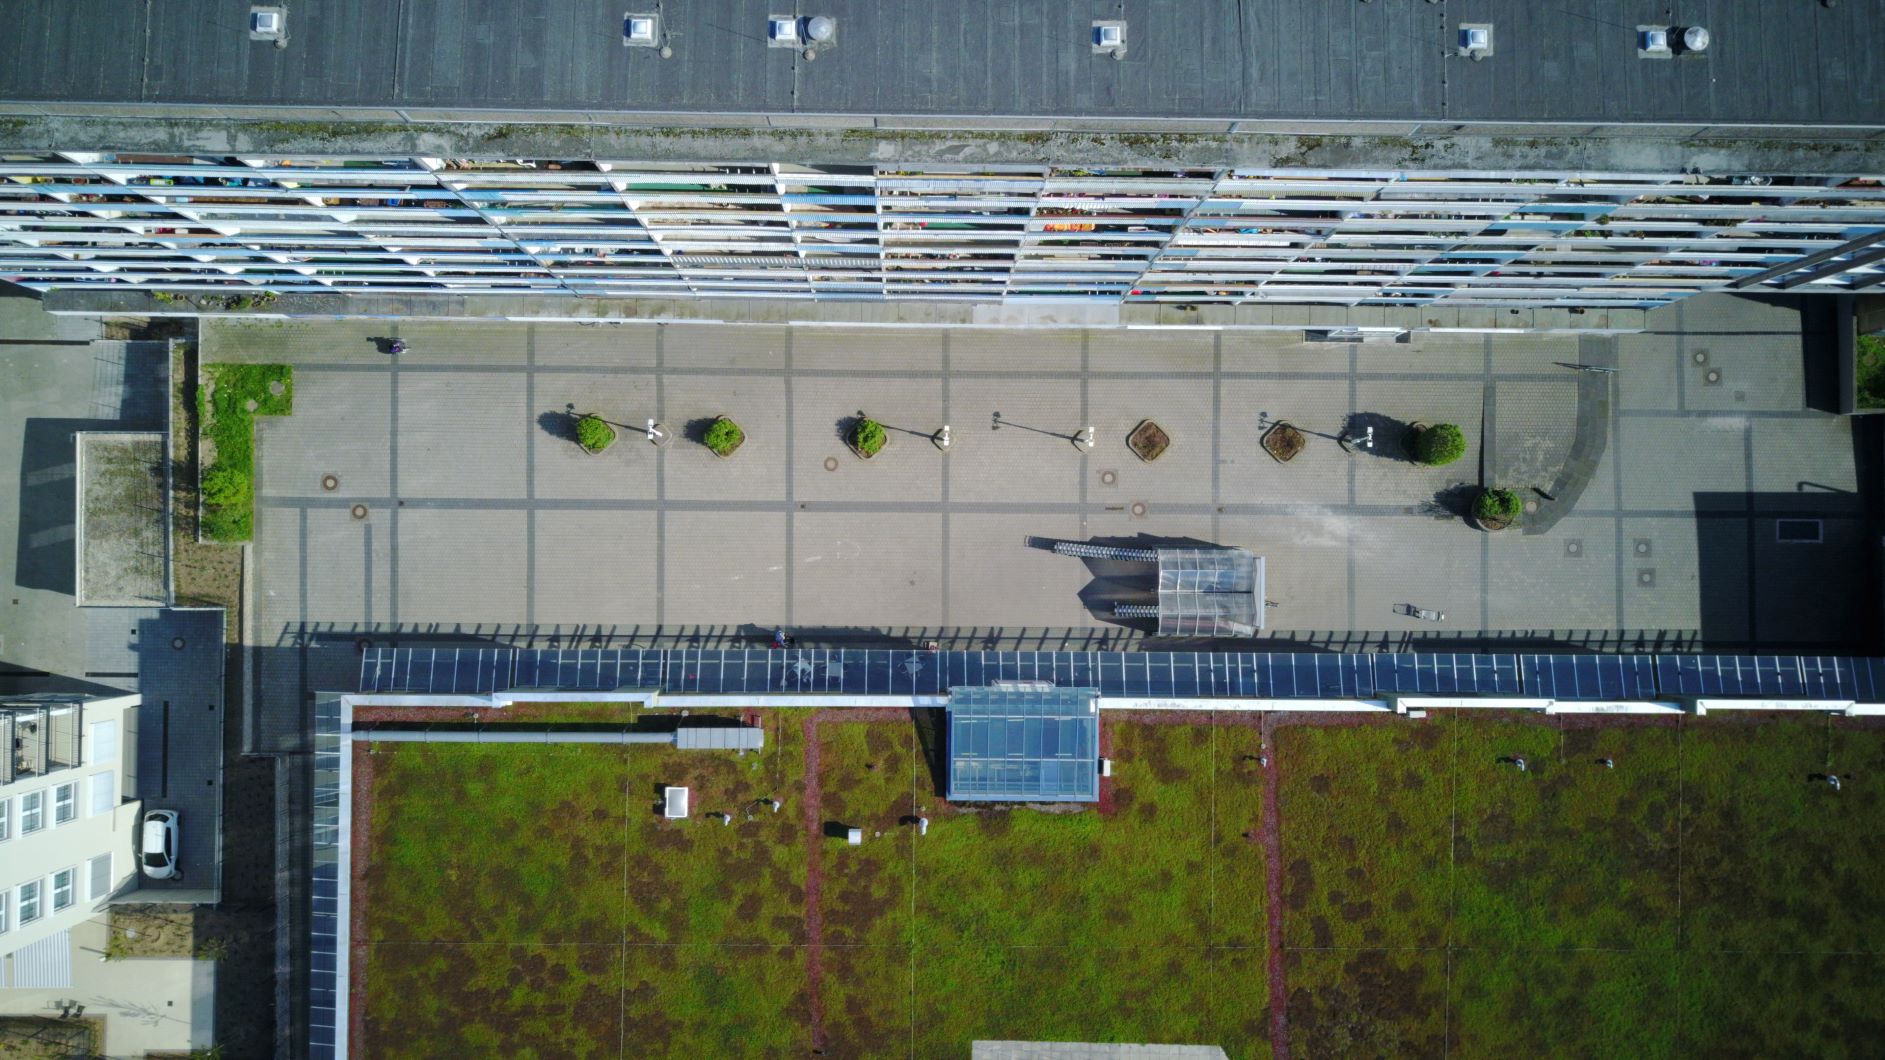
[[1455, 500], [1390, 435], [695, 430], [560, 425]]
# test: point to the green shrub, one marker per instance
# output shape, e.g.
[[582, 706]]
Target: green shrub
[[593, 434], [1497, 506], [225, 486], [1869, 370], [1439, 444], [868, 436], [724, 436]]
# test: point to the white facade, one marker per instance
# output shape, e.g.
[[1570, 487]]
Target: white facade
[[68, 823]]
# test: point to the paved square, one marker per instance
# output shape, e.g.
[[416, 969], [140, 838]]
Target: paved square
[[1651, 493]]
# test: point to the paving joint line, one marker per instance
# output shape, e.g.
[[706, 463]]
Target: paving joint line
[[944, 558], [1084, 413], [661, 507], [1217, 433], [530, 476], [791, 527]]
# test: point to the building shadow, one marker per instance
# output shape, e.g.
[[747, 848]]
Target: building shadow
[[1784, 572], [932, 742], [45, 554]]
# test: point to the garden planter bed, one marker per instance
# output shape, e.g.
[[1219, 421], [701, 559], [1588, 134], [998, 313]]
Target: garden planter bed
[[1284, 442], [1148, 441]]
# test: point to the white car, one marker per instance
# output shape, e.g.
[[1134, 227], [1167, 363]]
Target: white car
[[157, 850]]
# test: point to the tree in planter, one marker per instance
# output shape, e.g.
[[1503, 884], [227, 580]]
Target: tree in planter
[[593, 434], [1439, 444], [868, 436], [723, 436], [1496, 509]]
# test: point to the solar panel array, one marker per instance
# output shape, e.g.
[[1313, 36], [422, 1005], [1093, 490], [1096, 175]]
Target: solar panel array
[[1244, 675], [327, 934]]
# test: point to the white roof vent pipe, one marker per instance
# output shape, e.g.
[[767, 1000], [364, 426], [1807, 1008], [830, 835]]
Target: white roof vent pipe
[[1695, 39], [820, 29]]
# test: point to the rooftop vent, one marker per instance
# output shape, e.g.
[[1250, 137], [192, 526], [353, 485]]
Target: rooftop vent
[[1476, 39], [640, 31], [1109, 38], [782, 31], [1652, 42], [1695, 39], [820, 29], [269, 23]]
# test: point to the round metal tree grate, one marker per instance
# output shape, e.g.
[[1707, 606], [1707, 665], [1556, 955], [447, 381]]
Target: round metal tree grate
[[359, 511], [330, 483]]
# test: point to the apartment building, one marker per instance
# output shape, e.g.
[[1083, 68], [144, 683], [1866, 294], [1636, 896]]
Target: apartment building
[[68, 820], [1216, 152]]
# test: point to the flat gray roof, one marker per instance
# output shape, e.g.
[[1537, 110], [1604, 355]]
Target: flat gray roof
[[1787, 63]]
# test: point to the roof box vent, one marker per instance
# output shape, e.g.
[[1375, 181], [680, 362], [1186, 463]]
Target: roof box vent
[[1476, 40], [268, 23], [1109, 37], [782, 31], [638, 31], [1653, 40]]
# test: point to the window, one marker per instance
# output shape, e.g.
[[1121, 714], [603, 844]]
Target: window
[[98, 885], [6, 819], [32, 814], [104, 793], [29, 902], [65, 803], [104, 743], [3, 913], [1799, 531], [64, 888]]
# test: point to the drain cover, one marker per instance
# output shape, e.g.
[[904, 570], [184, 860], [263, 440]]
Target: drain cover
[[359, 511], [1646, 577], [1701, 356], [177, 643], [831, 463], [330, 483], [1109, 477], [1574, 547], [1712, 377], [1137, 509], [1641, 546]]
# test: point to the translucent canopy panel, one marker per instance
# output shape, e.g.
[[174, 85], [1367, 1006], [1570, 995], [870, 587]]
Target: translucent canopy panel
[[1024, 743], [1216, 592]]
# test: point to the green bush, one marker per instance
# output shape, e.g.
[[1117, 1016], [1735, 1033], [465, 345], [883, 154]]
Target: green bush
[[1497, 506], [225, 487], [724, 436], [1439, 444], [1869, 370], [868, 436], [593, 434], [229, 423]]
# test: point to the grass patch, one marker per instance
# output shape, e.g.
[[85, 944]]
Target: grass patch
[[1568, 1003], [228, 400]]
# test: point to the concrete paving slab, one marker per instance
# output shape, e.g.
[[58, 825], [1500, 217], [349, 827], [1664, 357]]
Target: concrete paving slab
[[724, 567], [705, 346], [758, 470], [1740, 373], [609, 345], [991, 350], [1534, 425], [1805, 463], [885, 569], [460, 434], [562, 469], [1806, 593], [1425, 563], [1562, 580], [867, 349], [1280, 351], [1727, 313], [1163, 352], [289, 341], [341, 426], [1391, 479], [1247, 474], [1182, 406], [910, 467], [350, 566], [447, 343], [1668, 461], [1686, 575], [593, 568], [1534, 353], [1425, 352], [997, 579], [1016, 463], [1647, 371], [464, 566]]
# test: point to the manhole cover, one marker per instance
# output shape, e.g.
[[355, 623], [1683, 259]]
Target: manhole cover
[[277, 388], [1574, 547], [1646, 577], [330, 483], [1137, 509], [359, 511], [177, 643], [1712, 377], [1109, 477], [1531, 507], [831, 463], [1640, 546]]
